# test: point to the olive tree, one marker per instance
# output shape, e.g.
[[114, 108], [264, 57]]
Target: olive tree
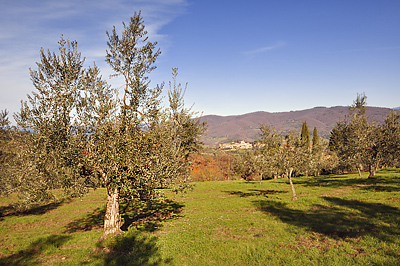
[[147, 146], [82, 135], [358, 142], [284, 157], [391, 139]]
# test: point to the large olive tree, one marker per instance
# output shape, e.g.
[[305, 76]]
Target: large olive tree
[[82, 134]]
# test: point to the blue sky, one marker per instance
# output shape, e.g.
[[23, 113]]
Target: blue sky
[[237, 56]]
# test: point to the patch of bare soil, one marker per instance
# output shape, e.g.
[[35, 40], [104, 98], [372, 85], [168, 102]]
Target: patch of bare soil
[[317, 240], [225, 233]]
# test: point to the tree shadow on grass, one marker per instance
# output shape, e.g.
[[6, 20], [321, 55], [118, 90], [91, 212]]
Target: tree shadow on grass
[[33, 254], [131, 248], [93, 220], [146, 217], [254, 192], [343, 219], [149, 217], [10, 210], [386, 180], [136, 246]]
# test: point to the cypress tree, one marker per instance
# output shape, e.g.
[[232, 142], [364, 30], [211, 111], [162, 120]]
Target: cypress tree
[[305, 136], [315, 138]]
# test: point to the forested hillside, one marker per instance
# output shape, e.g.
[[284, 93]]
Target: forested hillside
[[223, 129]]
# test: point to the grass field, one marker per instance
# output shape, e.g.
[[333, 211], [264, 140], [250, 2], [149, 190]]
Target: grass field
[[338, 220]]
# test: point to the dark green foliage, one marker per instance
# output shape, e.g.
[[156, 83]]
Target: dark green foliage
[[316, 160], [305, 136], [315, 139]]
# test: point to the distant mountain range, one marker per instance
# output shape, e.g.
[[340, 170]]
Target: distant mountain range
[[225, 129]]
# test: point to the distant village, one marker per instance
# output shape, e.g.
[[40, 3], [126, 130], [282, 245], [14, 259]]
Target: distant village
[[236, 146]]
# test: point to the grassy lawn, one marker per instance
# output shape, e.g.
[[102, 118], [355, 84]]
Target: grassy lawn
[[338, 220]]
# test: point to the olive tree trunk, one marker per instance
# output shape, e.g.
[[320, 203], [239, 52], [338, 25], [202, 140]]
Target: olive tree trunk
[[372, 170], [294, 196], [112, 219]]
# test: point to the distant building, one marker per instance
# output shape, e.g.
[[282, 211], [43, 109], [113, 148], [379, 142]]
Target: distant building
[[242, 145]]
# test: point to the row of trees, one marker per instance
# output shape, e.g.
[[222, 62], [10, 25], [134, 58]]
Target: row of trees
[[354, 144], [291, 155], [277, 156], [74, 132]]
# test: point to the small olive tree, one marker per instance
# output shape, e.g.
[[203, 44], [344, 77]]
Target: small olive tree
[[283, 156]]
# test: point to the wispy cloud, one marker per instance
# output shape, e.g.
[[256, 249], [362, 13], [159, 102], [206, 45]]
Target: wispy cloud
[[265, 48], [26, 26]]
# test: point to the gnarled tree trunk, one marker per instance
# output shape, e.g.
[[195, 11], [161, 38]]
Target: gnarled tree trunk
[[112, 219]]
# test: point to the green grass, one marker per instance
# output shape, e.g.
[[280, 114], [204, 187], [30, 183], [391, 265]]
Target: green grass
[[338, 220]]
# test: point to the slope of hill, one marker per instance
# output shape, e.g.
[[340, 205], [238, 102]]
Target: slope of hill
[[223, 129]]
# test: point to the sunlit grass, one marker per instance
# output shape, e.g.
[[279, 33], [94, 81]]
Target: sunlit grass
[[338, 220]]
